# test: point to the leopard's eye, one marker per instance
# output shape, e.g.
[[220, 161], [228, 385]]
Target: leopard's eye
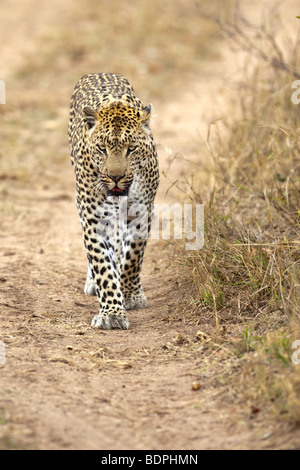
[[101, 148], [131, 149]]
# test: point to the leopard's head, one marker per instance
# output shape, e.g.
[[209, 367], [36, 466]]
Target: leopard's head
[[118, 140]]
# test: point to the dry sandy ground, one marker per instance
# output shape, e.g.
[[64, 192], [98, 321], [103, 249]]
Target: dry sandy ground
[[67, 386]]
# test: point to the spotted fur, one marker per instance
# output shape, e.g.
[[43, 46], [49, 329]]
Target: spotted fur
[[115, 162]]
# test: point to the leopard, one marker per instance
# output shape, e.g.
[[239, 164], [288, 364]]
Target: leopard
[[115, 161]]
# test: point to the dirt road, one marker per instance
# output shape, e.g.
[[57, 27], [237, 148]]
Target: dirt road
[[65, 385]]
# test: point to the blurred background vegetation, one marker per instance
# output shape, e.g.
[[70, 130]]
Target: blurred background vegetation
[[159, 46]]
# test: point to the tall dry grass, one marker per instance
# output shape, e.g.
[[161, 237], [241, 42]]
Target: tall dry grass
[[245, 281]]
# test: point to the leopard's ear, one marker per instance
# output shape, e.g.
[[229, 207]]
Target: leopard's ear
[[90, 116], [145, 115], [144, 118]]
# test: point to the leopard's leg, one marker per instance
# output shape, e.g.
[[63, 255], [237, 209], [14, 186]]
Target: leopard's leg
[[90, 287], [134, 244], [101, 257], [131, 285]]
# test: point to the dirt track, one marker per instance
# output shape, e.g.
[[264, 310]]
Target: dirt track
[[68, 386]]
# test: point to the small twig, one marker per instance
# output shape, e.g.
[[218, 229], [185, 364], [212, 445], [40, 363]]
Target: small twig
[[236, 32]]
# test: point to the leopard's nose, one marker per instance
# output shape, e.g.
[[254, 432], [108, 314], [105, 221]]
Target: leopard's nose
[[115, 178]]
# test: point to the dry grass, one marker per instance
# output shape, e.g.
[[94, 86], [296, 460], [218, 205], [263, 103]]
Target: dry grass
[[246, 279]]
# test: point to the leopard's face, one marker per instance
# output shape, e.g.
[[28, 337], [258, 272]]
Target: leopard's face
[[117, 138]]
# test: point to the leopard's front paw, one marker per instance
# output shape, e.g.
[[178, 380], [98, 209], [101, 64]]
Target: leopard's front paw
[[110, 320]]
